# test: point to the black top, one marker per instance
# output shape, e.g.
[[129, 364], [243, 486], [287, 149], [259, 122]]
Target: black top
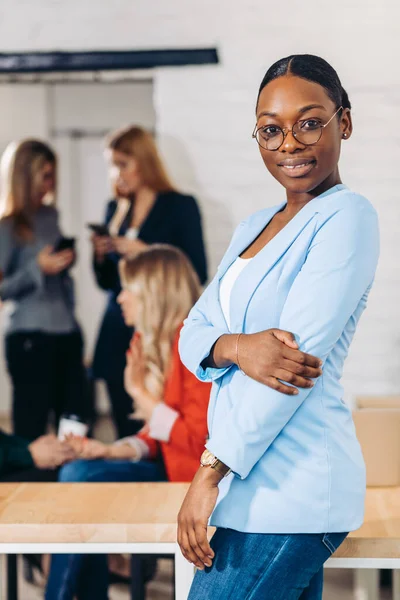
[[174, 219], [14, 454]]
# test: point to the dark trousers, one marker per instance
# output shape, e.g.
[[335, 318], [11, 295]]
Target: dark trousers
[[32, 475], [48, 376], [122, 408]]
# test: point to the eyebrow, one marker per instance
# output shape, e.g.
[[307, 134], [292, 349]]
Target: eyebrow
[[303, 110]]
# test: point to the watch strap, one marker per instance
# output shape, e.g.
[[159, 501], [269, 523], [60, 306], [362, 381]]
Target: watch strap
[[221, 468]]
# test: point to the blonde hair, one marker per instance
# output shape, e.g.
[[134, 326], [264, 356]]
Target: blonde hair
[[139, 143], [21, 164], [166, 287]]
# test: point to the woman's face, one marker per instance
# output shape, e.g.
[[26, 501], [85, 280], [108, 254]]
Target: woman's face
[[125, 173], [44, 183], [300, 168], [129, 304]]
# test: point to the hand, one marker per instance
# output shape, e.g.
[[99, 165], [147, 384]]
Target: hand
[[135, 370], [52, 264], [87, 448], [127, 247], [270, 356], [134, 380], [102, 245], [49, 453], [193, 517]]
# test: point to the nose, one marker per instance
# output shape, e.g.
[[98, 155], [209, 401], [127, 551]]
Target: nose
[[290, 143], [120, 298]]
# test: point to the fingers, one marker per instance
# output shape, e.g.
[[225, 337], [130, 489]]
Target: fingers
[[302, 358], [47, 249], [201, 558], [277, 385], [204, 546], [187, 550], [302, 370], [296, 380], [285, 337], [64, 454]]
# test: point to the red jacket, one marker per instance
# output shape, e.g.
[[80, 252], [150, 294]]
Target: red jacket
[[187, 395]]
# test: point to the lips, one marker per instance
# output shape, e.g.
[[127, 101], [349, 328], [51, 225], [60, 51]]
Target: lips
[[297, 167]]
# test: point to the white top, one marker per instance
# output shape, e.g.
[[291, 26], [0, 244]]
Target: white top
[[227, 283]]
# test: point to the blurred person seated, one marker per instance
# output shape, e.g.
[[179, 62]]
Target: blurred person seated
[[21, 460], [159, 289], [43, 340], [147, 209]]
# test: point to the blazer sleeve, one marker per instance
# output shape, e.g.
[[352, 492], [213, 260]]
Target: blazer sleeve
[[335, 278], [189, 234], [106, 272], [20, 282], [199, 335]]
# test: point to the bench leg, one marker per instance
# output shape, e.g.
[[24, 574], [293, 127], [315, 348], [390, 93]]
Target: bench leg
[[138, 587], [184, 573], [396, 584], [12, 577], [366, 584]]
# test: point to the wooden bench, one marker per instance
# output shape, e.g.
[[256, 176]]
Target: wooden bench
[[140, 518]]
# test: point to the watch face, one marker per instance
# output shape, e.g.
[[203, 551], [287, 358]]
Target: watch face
[[207, 458]]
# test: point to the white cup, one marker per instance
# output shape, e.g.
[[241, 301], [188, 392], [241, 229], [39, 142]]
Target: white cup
[[71, 424]]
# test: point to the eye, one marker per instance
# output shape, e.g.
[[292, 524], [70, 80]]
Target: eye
[[310, 124], [269, 131]]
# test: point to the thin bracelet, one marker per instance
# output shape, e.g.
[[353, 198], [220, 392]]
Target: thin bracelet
[[237, 353]]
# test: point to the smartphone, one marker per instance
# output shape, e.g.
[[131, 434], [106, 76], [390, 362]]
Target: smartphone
[[99, 229], [64, 243]]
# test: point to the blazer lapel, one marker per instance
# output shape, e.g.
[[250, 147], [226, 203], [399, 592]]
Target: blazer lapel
[[264, 261], [245, 236]]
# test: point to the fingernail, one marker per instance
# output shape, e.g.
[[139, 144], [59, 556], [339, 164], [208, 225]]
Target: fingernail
[[296, 392], [320, 363], [310, 384]]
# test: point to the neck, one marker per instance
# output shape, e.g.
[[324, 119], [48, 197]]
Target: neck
[[296, 201], [144, 195]]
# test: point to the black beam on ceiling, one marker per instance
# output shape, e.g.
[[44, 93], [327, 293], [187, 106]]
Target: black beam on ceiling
[[44, 62]]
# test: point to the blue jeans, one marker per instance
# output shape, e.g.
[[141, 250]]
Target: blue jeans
[[255, 566], [86, 576]]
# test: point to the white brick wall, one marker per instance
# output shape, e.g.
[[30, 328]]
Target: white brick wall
[[205, 114]]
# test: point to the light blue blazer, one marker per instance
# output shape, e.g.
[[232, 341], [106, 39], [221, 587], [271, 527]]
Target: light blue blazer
[[297, 465]]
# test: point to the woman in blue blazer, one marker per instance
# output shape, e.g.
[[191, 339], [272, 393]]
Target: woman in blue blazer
[[283, 477]]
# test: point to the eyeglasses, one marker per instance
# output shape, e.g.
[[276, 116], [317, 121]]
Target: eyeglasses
[[307, 132]]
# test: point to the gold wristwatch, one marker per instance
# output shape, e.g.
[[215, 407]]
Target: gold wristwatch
[[209, 460]]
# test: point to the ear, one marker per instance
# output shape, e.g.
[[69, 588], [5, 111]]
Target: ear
[[346, 124]]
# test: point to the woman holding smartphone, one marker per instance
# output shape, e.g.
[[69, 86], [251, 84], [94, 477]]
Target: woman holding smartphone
[[43, 340], [147, 210]]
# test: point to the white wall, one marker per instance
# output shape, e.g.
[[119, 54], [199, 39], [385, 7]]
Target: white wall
[[205, 115]]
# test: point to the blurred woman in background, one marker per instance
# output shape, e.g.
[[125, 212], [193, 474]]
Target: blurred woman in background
[[43, 340], [160, 287], [147, 210]]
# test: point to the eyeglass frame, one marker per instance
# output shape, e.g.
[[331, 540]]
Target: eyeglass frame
[[285, 131]]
